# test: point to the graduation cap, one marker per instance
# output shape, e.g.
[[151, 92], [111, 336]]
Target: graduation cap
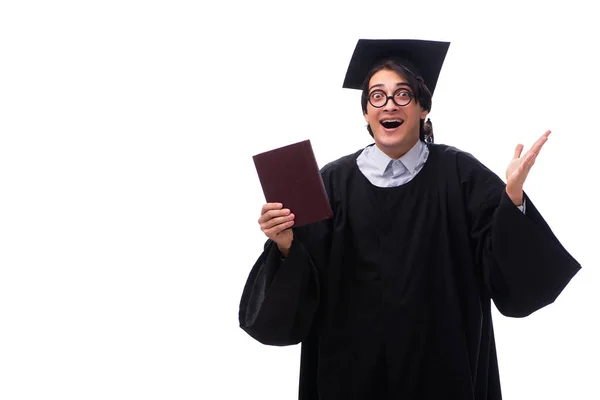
[[423, 58]]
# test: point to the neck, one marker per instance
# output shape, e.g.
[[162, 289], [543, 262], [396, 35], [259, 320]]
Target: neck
[[398, 151]]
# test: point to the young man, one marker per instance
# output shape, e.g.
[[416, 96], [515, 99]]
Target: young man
[[391, 298]]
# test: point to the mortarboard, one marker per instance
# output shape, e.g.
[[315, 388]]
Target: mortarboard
[[423, 58]]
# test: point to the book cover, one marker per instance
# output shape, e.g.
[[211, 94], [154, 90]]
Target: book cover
[[290, 175]]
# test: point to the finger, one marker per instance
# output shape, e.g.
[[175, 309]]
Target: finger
[[270, 206], [537, 146], [276, 230], [547, 133], [526, 165], [518, 151], [531, 160], [276, 221], [270, 215]]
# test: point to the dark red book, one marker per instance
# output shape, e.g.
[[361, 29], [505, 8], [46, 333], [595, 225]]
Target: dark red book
[[290, 175]]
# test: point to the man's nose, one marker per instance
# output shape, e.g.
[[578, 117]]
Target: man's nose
[[390, 105]]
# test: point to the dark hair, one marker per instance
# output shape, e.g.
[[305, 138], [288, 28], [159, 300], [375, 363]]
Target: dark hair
[[416, 84]]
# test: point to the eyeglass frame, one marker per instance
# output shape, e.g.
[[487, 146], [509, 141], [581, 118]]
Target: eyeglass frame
[[411, 96]]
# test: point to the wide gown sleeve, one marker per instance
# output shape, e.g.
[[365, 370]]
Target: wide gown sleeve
[[523, 265], [281, 297]]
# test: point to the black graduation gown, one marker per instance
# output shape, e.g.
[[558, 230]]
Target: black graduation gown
[[391, 298]]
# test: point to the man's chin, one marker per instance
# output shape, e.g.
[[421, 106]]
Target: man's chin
[[395, 144], [397, 138]]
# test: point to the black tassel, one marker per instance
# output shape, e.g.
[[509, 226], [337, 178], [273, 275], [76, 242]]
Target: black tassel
[[428, 131]]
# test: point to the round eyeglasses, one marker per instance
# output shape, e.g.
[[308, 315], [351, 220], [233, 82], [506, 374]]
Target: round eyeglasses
[[401, 97]]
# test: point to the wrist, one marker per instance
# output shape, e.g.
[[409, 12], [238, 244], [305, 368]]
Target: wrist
[[516, 198], [283, 250]]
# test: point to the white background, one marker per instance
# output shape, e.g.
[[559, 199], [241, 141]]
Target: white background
[[129, 200]]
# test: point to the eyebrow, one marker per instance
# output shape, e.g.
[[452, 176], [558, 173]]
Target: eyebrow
[[397, 84]]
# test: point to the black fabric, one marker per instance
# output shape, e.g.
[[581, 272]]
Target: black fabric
[[423, 58], [391, 298]]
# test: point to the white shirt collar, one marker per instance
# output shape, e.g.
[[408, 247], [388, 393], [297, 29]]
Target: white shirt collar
[[410, 159]]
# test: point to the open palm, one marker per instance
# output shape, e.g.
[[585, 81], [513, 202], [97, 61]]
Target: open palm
[[519, 167]]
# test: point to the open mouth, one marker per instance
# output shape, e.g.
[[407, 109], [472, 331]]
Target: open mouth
[[391, 123]]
